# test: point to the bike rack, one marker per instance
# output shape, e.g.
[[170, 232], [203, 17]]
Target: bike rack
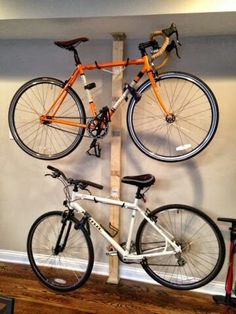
[[228, 299], [117, 88]]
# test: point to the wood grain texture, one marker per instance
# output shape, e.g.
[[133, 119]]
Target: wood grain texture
[[117, 88], [96, 296]]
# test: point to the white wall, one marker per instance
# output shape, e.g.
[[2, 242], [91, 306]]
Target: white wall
[[206, 182], [25, 191], [26, 9]]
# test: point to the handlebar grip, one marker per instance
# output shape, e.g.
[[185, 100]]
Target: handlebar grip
[[57, 172], [53, 169], [95, 185]]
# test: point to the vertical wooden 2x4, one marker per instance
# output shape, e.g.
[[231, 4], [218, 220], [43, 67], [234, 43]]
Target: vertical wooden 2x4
[[117, 89]]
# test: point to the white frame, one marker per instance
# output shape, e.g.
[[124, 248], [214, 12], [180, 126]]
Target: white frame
[[170, 247]]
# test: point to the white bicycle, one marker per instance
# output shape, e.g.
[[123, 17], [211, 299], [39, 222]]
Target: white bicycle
[[177, 245]]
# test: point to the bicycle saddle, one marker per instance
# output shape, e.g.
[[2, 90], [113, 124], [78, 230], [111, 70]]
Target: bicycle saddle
[[141, 181], [70, 43]]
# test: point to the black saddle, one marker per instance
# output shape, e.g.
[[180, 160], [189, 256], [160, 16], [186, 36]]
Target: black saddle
[[141, 181], [71, 44]]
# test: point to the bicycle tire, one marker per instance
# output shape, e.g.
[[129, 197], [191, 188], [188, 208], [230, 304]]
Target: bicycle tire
[[61, 271], [203, 248], [192, 127], [47, 141]]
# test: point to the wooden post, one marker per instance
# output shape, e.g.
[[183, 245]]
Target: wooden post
[[117, 89]]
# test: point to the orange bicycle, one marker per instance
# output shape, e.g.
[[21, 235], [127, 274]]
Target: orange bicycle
[[171, 116]]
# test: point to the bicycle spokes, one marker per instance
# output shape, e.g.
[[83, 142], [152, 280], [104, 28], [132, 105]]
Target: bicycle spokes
[[46, 136], [60, 254], [182, 132]]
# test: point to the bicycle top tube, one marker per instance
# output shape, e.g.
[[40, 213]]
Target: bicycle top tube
[[103, 200], [72, 44], [103, 65], [140, 182], [156, 49]]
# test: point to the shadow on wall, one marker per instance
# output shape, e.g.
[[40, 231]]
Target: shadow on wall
[[189, 166]]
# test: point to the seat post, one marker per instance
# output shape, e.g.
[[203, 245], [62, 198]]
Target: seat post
[[138, 194], [76, 56]]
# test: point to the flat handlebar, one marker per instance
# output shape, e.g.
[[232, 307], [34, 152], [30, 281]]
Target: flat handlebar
[[82, 184]]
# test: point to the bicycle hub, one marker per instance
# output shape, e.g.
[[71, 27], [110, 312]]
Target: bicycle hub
[[45, 119], [170, 118]]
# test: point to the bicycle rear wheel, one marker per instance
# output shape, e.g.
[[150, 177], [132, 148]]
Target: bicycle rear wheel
[[45, 140], [202, 244], [60, 254], [183, 134]]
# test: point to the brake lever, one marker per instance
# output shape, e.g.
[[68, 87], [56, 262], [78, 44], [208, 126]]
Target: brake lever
[[176, 50], [172, 30], [53, 175], [49, 175], [172, 46], [177, 37]]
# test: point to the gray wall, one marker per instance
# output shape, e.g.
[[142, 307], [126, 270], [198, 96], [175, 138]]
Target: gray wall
[[207, 181]]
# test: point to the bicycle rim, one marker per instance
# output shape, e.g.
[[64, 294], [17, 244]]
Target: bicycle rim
[[61, 271], [46, 141], [187, 132], [202, 245]]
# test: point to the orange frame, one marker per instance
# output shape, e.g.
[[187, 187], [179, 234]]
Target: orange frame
[[80, 71]]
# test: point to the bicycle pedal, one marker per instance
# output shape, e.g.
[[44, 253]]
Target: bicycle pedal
[[95, 148]]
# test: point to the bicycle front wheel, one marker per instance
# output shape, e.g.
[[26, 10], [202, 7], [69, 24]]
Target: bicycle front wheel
[[46, 140], [60, 254], [202, 244], [186, 131]]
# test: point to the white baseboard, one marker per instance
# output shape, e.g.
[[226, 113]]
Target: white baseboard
[[126, 272]]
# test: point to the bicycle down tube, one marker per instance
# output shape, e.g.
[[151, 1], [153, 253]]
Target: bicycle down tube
[[134, 207]]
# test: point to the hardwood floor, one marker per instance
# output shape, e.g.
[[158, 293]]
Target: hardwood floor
[[96, 296]]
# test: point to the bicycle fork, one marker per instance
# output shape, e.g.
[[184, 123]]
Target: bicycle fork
[[63, 235], [170, 117]]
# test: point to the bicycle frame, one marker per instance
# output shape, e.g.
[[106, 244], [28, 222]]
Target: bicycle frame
[[134, 207], [80, 70]]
